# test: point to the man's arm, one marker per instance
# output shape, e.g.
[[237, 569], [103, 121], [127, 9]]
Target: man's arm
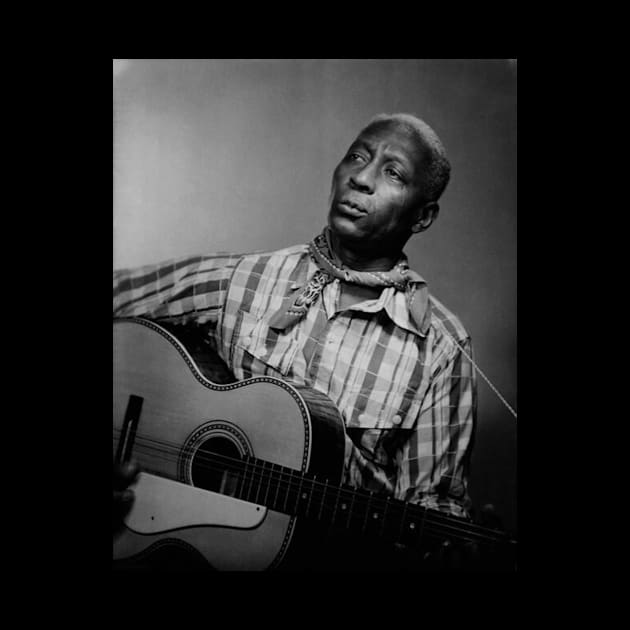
[[180, 291], [433, 464]]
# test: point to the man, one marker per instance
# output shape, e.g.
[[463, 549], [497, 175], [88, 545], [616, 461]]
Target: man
[[346, 316]]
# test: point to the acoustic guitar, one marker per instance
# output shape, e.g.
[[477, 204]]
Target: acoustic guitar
[[245, 475]]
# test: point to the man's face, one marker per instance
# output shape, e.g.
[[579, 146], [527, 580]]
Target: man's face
[[376, 190]]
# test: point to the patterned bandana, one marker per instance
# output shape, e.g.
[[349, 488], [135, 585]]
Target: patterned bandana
[[330, 266]]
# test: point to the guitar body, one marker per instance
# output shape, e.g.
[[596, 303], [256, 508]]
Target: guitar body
[[171, 420]]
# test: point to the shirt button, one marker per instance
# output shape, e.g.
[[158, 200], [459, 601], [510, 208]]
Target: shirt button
[[246, 342], [396, 419], [362, 417]]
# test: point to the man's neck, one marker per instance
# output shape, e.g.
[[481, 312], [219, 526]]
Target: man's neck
[[359, 261]]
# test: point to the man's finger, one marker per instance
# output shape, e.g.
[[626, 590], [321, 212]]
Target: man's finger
[[124, 474], [130, 469], [123, 501]]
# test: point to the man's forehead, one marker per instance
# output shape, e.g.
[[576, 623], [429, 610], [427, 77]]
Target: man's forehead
[[397, 139]]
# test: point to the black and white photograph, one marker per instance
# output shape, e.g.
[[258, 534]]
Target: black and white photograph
[[315, 315]]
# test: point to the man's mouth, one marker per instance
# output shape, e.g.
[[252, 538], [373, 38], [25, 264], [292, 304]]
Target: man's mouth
[[352, 207]]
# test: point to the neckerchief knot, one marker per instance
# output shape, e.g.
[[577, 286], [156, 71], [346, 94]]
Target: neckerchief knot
[[330, 266]]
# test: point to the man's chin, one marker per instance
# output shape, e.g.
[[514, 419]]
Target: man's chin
[[345, 228]]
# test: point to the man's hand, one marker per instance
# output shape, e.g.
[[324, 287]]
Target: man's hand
[[469, 556], [124, 475]]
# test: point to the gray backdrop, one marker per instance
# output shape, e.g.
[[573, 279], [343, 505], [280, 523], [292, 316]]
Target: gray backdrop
[[238, 155]]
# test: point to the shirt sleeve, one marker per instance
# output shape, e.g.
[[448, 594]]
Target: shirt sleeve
[[179, 291], [433, 465]]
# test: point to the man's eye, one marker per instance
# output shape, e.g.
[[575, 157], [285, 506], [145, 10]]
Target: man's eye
[[392, 173], [355, 156]]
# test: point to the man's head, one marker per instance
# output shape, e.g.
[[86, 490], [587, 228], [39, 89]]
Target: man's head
[[387, 185]]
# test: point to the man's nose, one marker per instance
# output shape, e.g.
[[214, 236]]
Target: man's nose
[[363, 180]]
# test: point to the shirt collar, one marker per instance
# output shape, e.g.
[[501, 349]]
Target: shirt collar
[[395, 303], [397, 307]]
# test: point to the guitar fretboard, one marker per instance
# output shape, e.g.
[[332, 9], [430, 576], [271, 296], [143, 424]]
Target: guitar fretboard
[[300, 494]]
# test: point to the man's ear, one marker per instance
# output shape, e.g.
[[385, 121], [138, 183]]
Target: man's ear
[[426, 215]]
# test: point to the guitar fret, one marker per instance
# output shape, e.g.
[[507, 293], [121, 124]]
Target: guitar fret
[[258, 484], [424, 516], [310, 496], [286, 494], [382, 530], [402, 522], [299, 494], [334, 516], [275, 498], [367, 512], [350, 511], [244, 480], [321, 507], [249, 484], [267, 490]]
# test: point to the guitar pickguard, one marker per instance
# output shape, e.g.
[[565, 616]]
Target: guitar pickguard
[[163, 505]]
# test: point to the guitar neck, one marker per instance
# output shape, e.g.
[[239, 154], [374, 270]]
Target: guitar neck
[[301, 494]]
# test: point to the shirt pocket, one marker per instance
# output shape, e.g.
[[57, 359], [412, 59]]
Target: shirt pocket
[[382, 423], [261, 350]]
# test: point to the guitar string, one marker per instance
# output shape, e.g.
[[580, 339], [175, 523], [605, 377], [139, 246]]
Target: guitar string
[[434, 528], [485, 378], [173, 451], [457, 521], [438, 520]]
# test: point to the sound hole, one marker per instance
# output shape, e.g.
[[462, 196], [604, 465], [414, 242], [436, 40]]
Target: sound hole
[[216, 473]]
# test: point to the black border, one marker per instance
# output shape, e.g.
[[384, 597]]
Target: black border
[[69, 246]]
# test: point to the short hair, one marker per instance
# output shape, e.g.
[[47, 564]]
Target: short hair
[[438, 168]]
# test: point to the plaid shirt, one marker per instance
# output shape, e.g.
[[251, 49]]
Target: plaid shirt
[[407, 395]]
